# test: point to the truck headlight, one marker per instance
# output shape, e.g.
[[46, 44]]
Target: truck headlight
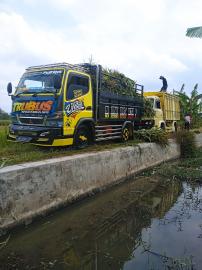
[[55, 120], [53, 123]]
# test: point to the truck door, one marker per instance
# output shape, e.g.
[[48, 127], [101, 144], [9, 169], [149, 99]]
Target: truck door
[[158, 112], [77, 100]]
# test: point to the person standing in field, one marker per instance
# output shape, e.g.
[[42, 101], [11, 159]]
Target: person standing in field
[[187, 121]]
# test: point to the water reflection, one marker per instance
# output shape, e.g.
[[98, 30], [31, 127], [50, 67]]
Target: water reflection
[[111, 231]]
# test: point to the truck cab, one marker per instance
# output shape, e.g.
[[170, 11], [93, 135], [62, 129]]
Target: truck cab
[[158, 120]]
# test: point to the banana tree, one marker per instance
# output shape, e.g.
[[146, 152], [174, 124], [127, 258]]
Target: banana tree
[[194, 32], [190, 104]]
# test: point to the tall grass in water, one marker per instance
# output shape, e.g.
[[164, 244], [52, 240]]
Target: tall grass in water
[[186, 140]]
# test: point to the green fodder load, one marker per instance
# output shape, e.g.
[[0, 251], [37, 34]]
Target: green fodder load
[[154, 134], [148, 109], [117, 83]]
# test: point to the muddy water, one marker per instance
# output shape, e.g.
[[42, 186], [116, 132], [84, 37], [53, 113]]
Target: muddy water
[[137, 225]]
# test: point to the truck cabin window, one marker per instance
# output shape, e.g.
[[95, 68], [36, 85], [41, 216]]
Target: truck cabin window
[[39, 82], [77, 86], [158, 104]]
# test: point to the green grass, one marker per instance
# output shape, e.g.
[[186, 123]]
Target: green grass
[[189, 169], [14, 152], [186, 140], [4, 123]]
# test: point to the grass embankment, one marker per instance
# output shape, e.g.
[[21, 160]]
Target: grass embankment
[[14, 153], [186, 169], [189, 166]]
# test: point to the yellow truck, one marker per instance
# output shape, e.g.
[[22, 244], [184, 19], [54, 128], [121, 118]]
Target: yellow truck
[[167, 110], [63, 104]]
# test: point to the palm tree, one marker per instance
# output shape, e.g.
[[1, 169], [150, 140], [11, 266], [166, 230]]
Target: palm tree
[[190, 104], [194, 32]]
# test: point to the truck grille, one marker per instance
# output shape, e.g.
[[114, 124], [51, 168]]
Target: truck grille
[[30, 120]]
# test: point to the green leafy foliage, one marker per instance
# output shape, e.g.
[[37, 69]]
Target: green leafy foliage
[[148, 109], [4, 123], [194, 32], [3, 115], [186, 169], [186, 140], [118, 83], [154, 134], [190, 104]]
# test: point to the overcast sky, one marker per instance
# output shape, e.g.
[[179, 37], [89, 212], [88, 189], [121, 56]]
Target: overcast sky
[[141, 38]]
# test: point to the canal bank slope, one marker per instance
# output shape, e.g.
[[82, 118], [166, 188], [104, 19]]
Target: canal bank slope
[[33, 189]]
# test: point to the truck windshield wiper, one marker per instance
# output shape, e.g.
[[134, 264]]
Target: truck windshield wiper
[[22, 93], [47, 91], [43, 92], [17, 95]]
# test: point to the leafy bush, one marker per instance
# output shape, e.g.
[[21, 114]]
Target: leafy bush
[[3, 115], [154, 134], [186, 140]]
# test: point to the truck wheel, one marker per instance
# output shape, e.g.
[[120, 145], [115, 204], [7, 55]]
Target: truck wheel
[[125, 134], [175, 127], [82, 137], [163, 126]]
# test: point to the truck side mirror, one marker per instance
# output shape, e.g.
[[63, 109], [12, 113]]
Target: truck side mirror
[[9, 88]]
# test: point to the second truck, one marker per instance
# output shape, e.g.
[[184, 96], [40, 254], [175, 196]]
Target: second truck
[[166, 111]]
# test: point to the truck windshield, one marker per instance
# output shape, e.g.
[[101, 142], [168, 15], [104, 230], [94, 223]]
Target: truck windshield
[[40, 82], [151, 100]]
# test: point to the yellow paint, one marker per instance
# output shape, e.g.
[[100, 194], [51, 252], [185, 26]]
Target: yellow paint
[[83, 138], [71, 121], [62, 142], [58, 142]]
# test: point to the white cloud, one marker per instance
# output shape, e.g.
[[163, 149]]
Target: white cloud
[[141, 38]]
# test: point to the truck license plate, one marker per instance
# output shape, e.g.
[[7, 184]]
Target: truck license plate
[[23, 139]]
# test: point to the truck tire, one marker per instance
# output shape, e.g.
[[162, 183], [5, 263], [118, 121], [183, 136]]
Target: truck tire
[[125, 136], [163, 126], [82, 137], [175, 127]]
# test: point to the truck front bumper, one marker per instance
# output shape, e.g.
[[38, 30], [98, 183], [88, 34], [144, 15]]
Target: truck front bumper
[[35, 134]]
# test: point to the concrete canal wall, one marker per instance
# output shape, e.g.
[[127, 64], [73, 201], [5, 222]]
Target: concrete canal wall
[[32, 189]]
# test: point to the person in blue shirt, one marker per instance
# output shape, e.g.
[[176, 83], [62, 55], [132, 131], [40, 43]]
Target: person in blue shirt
[[165, 84]]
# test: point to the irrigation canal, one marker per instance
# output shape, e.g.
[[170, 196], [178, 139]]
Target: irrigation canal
[[137, 225]]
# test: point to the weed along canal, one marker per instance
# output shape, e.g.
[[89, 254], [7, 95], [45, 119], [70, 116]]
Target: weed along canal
[[145, 223]]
